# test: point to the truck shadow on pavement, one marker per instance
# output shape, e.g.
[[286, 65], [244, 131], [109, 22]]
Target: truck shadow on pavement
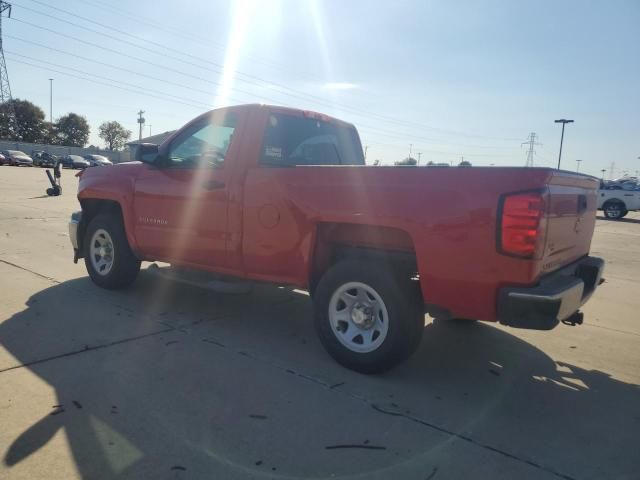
[[623, 220], [162, 381]]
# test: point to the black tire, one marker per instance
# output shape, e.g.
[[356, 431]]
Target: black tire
[[614, 209], [402, 299], [125, 266]]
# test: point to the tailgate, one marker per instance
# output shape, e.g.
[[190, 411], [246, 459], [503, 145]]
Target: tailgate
[[571, 217]]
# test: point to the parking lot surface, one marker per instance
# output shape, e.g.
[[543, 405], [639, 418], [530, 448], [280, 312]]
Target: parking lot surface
[[167, 381]]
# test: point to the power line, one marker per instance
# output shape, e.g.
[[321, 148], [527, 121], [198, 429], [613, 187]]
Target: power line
[[140, 90], [388, 133], [254, 79], [113, 85]]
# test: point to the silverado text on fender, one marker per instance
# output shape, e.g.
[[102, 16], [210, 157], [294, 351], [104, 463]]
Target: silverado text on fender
[[281, 195]]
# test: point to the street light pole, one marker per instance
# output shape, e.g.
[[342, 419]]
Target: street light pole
[[563, 122], [51, 100], [578, 165]]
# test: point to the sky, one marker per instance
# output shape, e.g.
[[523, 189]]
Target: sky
[[448, 80]]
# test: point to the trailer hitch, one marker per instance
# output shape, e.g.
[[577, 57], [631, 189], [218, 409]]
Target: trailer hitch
[[575, 319]]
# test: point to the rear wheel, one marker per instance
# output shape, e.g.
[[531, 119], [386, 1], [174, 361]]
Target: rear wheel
[[614, 210], [109, 260], [367, 318]]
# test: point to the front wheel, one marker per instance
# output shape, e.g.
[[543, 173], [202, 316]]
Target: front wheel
[[109, 260], [368, 318], [614, 210]]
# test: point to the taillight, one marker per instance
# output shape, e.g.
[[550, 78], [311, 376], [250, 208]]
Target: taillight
[[521, 224]]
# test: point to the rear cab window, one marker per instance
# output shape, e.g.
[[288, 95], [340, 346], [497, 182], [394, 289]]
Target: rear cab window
[[292, 140]]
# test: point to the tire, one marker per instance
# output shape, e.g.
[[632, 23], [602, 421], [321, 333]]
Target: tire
[[396, 328], [114, 265], [614, 210]]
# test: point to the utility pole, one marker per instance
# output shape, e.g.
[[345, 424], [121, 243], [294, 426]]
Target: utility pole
[[149, 129], [141, 122], [366, 147], [5, 89], [613, 166], [603, 172], [419, 155], [51, 100], [531, 141], [410, 147], [578, 165], [563, 121]]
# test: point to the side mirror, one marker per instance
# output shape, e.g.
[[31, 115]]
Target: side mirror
[[146, 152]]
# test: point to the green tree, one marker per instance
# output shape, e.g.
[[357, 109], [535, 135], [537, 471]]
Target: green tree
[[115, 136], [29, 125], [464, 163], [72, 130]]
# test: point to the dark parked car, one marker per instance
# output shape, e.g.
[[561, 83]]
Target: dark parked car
[[43, 159], [98, 160], [74, 161], [18, 158]]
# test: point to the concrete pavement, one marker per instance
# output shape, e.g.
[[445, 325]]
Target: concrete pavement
[[168, 381]]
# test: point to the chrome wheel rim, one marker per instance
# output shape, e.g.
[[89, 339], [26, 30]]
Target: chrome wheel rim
[[614, 211], [358, 317], [101, 252]]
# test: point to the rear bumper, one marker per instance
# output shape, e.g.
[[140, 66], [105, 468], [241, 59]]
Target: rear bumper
[[556, 298]]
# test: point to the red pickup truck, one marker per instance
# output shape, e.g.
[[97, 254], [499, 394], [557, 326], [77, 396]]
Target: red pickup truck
[[274, 194]]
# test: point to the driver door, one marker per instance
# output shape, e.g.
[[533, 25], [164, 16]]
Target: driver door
[[181, 200]]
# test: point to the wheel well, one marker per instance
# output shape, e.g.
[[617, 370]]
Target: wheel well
[[389, 246], [614, 200], [91, 208]]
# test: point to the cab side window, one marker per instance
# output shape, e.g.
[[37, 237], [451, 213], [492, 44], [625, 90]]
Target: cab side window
[[203, 144]]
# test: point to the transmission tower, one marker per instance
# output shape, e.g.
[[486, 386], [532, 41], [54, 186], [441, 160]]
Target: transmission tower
[[531, 141], [5, 90], [7, 115]]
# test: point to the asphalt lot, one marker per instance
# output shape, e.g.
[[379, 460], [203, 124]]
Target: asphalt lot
[[167, 381]]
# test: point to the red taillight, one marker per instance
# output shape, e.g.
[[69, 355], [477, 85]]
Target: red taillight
[[521, 224]]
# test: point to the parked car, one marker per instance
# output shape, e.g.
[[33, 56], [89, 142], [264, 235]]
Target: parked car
[[43, 159], [4, 160], [97, 160], [618, 199], [263, 193], [18, 158], [74, 161]]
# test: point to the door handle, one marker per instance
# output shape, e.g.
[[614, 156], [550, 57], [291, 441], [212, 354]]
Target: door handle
[[213, 184]]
